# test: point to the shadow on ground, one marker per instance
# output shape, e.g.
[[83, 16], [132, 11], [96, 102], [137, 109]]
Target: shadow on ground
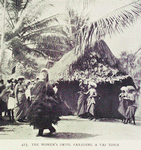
[[7, 126], [108, 120], [4, 129], [5, 122], [69, 135], [137, 124]]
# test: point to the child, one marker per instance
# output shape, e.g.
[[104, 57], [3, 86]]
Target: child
[[11, 102]]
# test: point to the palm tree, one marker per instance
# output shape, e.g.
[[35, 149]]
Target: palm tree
[[114, 22], [26, 32]]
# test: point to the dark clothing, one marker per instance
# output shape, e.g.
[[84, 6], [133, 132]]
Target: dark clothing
[[127, 108], [3, 98], [2, 87], [130, 112], [82, 104], [21, 104], [122, 107], [44, 110]]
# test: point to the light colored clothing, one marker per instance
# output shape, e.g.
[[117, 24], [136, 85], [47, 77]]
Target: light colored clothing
[[11, 103], [28, 92], [91, 100]]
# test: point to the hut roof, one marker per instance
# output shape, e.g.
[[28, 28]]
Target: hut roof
[[97, 63]]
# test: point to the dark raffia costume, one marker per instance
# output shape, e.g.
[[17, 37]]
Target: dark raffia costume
[[44, 110]]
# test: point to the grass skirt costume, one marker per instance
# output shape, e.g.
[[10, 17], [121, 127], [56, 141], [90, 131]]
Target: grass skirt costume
[[44, 111]]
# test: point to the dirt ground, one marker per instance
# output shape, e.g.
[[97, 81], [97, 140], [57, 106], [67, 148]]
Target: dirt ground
[[73, 127]]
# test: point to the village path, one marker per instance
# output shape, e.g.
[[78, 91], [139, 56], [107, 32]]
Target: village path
[[73, 127]]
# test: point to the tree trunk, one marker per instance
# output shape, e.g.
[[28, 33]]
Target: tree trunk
[[2, 37]]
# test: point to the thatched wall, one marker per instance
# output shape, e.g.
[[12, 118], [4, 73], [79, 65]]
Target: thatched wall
[[68, 92], [106, 107]]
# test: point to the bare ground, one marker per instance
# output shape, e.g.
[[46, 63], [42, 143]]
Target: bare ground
[[73, 127]]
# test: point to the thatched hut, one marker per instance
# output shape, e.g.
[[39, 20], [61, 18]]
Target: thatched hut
[[99, 65]]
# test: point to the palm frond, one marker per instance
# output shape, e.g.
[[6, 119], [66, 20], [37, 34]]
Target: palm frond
[[48, 42], [18, 48], [32, 11], [111, 23], [40, 24], [42, 33], [118, 20]]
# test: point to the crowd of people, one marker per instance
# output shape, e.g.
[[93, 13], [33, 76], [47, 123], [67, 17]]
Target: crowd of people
[[35, 101], [13, 98], [38, 102]]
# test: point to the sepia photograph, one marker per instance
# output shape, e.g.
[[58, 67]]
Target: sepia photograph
[[70, 74]]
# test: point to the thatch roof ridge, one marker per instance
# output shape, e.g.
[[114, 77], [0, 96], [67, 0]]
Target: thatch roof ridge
[[102, 48], [62, 66]]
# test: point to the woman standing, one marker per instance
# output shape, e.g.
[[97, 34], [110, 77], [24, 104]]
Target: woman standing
[[82, 101], [132, 106], [91, 100], [127, 104], [123, 104], [21, 102], [44, 110]]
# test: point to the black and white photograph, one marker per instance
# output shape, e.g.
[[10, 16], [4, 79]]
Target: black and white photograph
[[70, 74]]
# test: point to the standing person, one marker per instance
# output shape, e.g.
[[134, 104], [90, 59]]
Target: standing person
[[82, 101], [32, 85], [91, 101], [28, 93], [21, 102], [132, 106], [2, 103], [11, 101], [123, 104], [44, 110]]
